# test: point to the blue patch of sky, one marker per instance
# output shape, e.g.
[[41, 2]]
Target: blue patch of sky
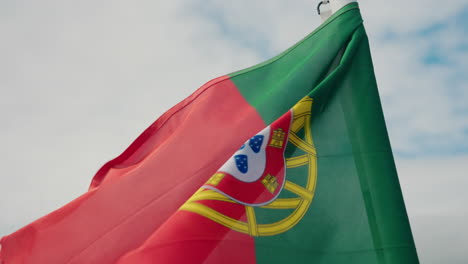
[[462, 47], [461, 20], [456, 151], [388, 35], [440, 145], [433, 29], [436, 54]]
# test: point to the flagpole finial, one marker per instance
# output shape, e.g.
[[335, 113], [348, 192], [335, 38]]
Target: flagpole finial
[[320, 5], [332, 7]]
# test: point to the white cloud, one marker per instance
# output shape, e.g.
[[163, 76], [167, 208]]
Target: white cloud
[[421, 100], [407, 16], [435, 197]]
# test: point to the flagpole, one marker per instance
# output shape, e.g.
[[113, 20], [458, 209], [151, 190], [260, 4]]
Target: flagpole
[[326, 8]]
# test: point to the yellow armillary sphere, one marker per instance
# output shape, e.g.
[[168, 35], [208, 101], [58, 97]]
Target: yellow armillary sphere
[[301, 195]]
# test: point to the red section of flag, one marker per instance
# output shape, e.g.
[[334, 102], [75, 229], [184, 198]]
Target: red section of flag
[[133, 195], [158, 133], [191, 238]]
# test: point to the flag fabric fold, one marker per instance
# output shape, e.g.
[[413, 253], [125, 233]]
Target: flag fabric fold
[[286, 161]]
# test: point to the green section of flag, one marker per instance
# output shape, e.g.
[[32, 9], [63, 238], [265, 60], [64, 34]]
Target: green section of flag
[[275, 86], [357, 214]]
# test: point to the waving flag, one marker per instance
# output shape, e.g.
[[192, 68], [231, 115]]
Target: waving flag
[[285, 162]]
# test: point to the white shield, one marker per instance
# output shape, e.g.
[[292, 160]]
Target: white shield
[[253, 164]]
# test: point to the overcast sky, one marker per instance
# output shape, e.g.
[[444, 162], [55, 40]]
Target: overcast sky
[[80, 80]]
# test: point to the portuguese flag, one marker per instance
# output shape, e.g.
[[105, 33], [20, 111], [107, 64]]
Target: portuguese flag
[[285, 162]]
